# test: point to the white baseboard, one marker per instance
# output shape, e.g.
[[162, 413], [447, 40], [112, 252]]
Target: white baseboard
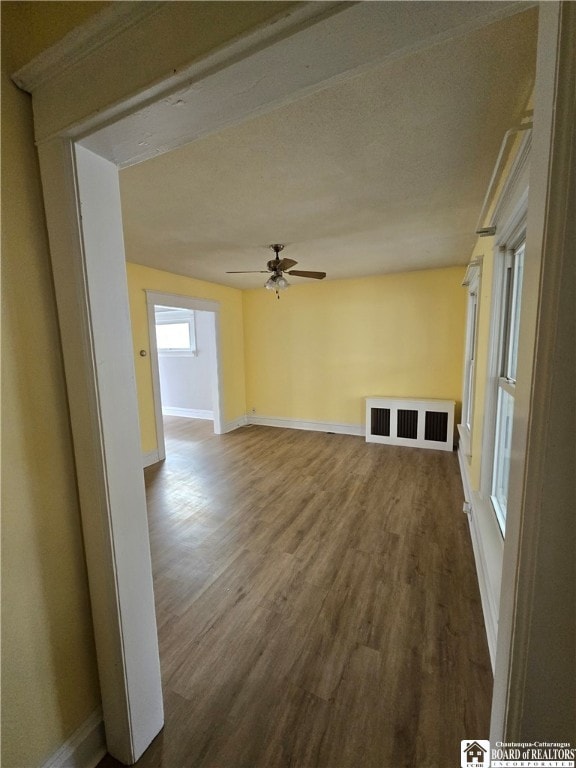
[[229, 426], [313, 426], [152, 457], [488, 552], [188, 413], [84, 749]]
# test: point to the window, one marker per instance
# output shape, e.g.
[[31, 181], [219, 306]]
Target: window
[[509, 326], [174, 337], [175, 331]]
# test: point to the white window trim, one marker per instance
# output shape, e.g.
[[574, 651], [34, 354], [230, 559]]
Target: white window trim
[[510, 301], [511, 235], [472, 282]]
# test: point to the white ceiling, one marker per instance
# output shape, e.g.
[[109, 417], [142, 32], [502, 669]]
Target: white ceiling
[[382, 172]]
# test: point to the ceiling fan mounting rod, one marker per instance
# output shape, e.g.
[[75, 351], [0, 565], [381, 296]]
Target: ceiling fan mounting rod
[[277, 247]]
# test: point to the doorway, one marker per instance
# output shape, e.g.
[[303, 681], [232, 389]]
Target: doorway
[[203, 345]]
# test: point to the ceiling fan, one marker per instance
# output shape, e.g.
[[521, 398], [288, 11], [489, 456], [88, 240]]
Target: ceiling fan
[[277, 266]]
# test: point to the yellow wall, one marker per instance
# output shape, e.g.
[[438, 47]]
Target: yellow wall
[[141, 279], [316, 353], [49, 682], [42, 24]]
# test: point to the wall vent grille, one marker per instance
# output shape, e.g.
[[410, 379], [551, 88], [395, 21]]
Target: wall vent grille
[[380, 422], [410, 422], [407, 424], [436, 426]]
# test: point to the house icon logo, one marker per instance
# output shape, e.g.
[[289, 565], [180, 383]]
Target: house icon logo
[[475, 753]]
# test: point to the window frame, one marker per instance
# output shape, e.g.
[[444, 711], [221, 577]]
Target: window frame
[[177, 317], [511, 238], [510, 306]]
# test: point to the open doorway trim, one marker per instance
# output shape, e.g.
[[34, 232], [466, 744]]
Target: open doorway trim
[[154, 298]]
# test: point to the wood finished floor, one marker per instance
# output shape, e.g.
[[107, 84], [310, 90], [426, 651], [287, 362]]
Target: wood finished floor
[[317, 604]]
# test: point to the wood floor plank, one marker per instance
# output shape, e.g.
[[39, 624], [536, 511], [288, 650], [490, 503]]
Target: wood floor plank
[[363, 711], [317, 603], [286, 731]]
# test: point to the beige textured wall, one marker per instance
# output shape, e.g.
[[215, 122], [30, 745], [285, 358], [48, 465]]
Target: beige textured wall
[[49, 680]]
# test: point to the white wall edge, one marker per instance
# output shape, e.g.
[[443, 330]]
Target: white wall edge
[[187, 413], [152, 457], [84, 749], [488, 594], [313, 426]]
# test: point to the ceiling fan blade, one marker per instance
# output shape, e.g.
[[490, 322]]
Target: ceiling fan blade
[[315, 275], [248, 272], [285, 264]]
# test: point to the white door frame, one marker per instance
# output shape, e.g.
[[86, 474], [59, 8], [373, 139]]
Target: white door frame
[[133, 109], [82, 202], [154, 298]]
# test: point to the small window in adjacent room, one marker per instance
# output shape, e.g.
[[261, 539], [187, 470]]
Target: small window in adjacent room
[[174, 337], [509, 326]]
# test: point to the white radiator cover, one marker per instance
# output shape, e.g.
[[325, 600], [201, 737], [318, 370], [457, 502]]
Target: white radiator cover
[[410, 422]]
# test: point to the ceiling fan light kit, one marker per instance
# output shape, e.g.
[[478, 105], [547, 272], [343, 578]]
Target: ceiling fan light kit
[[277, 282]]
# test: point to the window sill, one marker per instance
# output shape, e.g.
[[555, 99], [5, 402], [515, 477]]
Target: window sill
[[177, 353]]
